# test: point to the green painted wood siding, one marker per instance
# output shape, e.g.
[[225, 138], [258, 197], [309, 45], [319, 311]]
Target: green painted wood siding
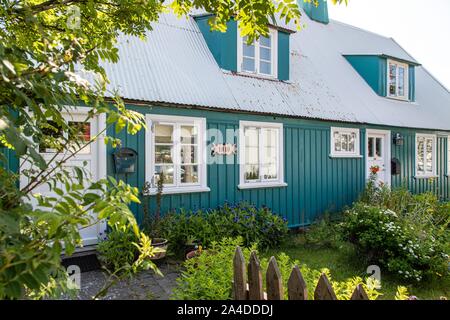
[[407, 157], [283, 55], [372, 69], [10, 161], [223, 45], [412, 81], [317, 13], [316, 182]]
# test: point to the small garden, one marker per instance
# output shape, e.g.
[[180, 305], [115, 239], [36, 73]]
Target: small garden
[[405, 235]]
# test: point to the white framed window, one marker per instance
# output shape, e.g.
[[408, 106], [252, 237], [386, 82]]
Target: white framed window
[[425, 155], [175, 146], [397, 81], [261, 155], [345, 143], [259, 57]]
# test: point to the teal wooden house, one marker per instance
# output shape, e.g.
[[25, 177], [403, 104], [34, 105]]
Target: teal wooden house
[[294, 121]]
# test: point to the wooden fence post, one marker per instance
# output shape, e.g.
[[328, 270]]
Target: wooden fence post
[[297, 289], [359, 293], [274, 281], [255, 283], [324, 290], [239, 276]]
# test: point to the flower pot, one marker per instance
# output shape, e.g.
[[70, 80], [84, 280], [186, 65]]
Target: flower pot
[[193, 254], [160, 243]]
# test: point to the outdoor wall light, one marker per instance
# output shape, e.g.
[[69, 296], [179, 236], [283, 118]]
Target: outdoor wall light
[[398, 139]]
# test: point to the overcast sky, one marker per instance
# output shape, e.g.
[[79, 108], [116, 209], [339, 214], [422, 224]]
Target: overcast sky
[[421, 27]]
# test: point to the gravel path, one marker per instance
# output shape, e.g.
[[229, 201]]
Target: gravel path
[[144, 286]]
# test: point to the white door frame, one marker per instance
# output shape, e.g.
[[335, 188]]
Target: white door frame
[[387, 148], [100, 162]]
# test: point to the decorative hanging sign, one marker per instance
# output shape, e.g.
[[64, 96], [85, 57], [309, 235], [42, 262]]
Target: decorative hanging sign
[[223, 149]]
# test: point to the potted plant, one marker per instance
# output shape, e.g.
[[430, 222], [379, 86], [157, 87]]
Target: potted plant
[[152, 225], [192, 247]]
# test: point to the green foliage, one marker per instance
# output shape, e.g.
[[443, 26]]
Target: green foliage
[[209, 275], [254, 225], [118, 249], [395, 241], [45, 47], [324, 233], [407, 233]]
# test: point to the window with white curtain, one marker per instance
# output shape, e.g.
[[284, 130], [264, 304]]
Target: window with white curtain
[[425, 155], [261, 154], [397, 80], [175, 146]]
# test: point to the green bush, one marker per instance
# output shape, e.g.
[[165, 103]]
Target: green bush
[[324, 233], [118, 249], [254, 225], [209, 276], [397, 241]]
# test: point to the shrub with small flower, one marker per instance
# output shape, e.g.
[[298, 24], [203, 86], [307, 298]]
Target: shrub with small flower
[[412, 251], [254, 225]]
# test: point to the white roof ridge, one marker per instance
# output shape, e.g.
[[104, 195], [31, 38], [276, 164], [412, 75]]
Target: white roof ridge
[[360, 29], [401, 47], [435, 79]]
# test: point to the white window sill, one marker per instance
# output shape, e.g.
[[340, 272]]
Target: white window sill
[[259, 185], [345, 156], [192, 189], [402, 99], [433, 176]]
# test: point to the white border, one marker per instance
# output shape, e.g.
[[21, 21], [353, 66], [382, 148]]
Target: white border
[[150, 154], [335, 154], [241, 156], [434, 174], [387, 153]]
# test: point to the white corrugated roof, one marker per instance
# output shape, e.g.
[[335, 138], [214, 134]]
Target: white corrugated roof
[[174, 65]]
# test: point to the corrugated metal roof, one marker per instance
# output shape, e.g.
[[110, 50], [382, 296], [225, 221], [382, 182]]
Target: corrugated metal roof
[[175, 66]]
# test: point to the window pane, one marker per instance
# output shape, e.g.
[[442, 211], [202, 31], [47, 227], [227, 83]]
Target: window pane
[[401, 81], [392, 79], [163, 133], [189, 134], [252, 172], [248, 64], [337, 141], [420, 155], [351, 142], [189, 174], [248, 50], [370, 147], [265, 67], [344, 142], [80, 135], [269, 171], [163, 154], [429, 155], [168, 173], [265, 54], [378, 147], [264, 41], [189, 154], [270, 139]]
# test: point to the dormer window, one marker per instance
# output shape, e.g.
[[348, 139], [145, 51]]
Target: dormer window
[[397, 80], [259, 57]]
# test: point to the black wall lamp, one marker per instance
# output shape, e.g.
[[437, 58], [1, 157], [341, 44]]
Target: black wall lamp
[[398, 139]]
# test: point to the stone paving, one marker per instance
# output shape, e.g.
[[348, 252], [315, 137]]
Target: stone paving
[[144, 286]]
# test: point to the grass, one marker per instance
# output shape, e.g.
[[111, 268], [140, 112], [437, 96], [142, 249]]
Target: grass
[[343, 263]]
